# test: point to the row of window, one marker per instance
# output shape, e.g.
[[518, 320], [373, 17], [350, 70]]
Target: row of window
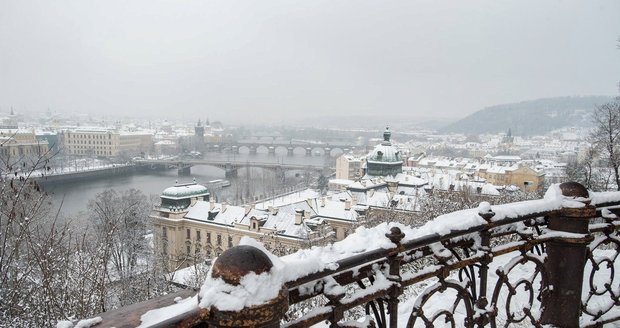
[[21, 150], [89, 136], [96, 152], [89, 142], [188, 236], [198, 251], [88, 147]]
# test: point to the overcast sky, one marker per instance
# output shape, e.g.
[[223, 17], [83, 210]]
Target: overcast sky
[[264, 60]]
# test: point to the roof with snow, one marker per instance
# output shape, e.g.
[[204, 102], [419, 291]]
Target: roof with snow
[[187, 190]]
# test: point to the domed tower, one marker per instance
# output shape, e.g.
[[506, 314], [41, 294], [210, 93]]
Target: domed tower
[[385, 159], [182, 196], [199, 136]]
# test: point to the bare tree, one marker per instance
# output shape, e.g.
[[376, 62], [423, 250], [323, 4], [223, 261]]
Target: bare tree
[[606, 136], [120, 223]]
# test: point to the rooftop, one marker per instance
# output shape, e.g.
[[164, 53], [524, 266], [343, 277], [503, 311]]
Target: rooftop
[[186, 190]]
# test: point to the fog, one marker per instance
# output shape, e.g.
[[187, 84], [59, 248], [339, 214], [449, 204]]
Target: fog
[[273, 61]]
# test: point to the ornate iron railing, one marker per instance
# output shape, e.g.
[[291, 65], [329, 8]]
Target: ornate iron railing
[[537, 263]]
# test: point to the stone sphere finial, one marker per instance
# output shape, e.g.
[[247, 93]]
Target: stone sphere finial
[[395, 235], [574, 189], [238, 261]]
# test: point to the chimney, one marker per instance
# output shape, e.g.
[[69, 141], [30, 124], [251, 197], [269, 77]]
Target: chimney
[[274, 211], [322, 201], [223, 207], [347, 204], [211, 204], [299, 216], [353, 200]]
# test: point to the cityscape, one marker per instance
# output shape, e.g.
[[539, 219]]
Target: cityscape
[[179, 169]]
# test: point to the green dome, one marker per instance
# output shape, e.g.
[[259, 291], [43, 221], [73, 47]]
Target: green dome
[[385, 154], [185, 191], [385, 159]]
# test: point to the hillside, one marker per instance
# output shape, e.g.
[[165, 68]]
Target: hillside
[[530, 117]]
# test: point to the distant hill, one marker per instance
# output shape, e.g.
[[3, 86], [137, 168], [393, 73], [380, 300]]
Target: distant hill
[[532, 117]]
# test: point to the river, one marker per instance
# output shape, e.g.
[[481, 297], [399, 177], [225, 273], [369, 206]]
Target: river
[[253, 182]]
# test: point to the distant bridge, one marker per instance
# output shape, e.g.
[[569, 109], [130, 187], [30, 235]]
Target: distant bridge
[[230, 167], [310, 148]]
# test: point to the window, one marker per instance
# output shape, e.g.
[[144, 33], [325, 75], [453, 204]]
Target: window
[[230, 241], [188, 248], [253, 225], [219, 239], [164, 232], [189, 232], [198, 235], [208, 238]]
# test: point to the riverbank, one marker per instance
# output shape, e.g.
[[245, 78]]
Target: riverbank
[[74, 176]]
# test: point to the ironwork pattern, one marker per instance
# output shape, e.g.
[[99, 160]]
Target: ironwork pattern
[[600, 298]]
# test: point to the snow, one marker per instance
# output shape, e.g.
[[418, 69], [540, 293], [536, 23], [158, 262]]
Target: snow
[[288, 199], [312, 313], [489, 189], [380, 283], [64, 324], [156, 316], [604, 197], [257, 289], [184, 191], [252, 290], [85, 323]]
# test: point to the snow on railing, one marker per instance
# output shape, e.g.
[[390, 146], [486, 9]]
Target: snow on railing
[[513, 263]]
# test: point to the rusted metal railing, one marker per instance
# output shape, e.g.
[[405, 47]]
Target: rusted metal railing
[[534, 269]]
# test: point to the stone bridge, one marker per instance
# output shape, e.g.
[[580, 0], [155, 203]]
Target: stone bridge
[[230, 167], [310, 149]]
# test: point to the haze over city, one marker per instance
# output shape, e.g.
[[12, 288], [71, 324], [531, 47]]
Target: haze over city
[[290, 60], [309, 164]]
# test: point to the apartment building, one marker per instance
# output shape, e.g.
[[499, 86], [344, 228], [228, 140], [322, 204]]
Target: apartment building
[[106, 142], [19, 144]]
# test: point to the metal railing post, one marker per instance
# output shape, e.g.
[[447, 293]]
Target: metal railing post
[[395, 235], [566, 257]]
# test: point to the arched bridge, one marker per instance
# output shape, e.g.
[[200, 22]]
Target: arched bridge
[[252, 146], [230, 167]]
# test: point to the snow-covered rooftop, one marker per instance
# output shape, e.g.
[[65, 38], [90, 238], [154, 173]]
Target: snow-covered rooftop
[[185, 191]]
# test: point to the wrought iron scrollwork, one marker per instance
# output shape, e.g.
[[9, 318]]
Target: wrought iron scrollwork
[[458, 314], [375, 307], [603, 293], [513, 278]]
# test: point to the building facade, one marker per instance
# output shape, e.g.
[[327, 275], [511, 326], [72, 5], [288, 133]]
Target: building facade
[[20, 146], [106, 142], [190, 227], [349, 167]]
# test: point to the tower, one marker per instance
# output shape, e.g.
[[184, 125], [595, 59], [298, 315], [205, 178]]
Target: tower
[[199, 136]]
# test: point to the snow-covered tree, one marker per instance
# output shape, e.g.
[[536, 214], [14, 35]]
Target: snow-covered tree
[[606, 136]]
